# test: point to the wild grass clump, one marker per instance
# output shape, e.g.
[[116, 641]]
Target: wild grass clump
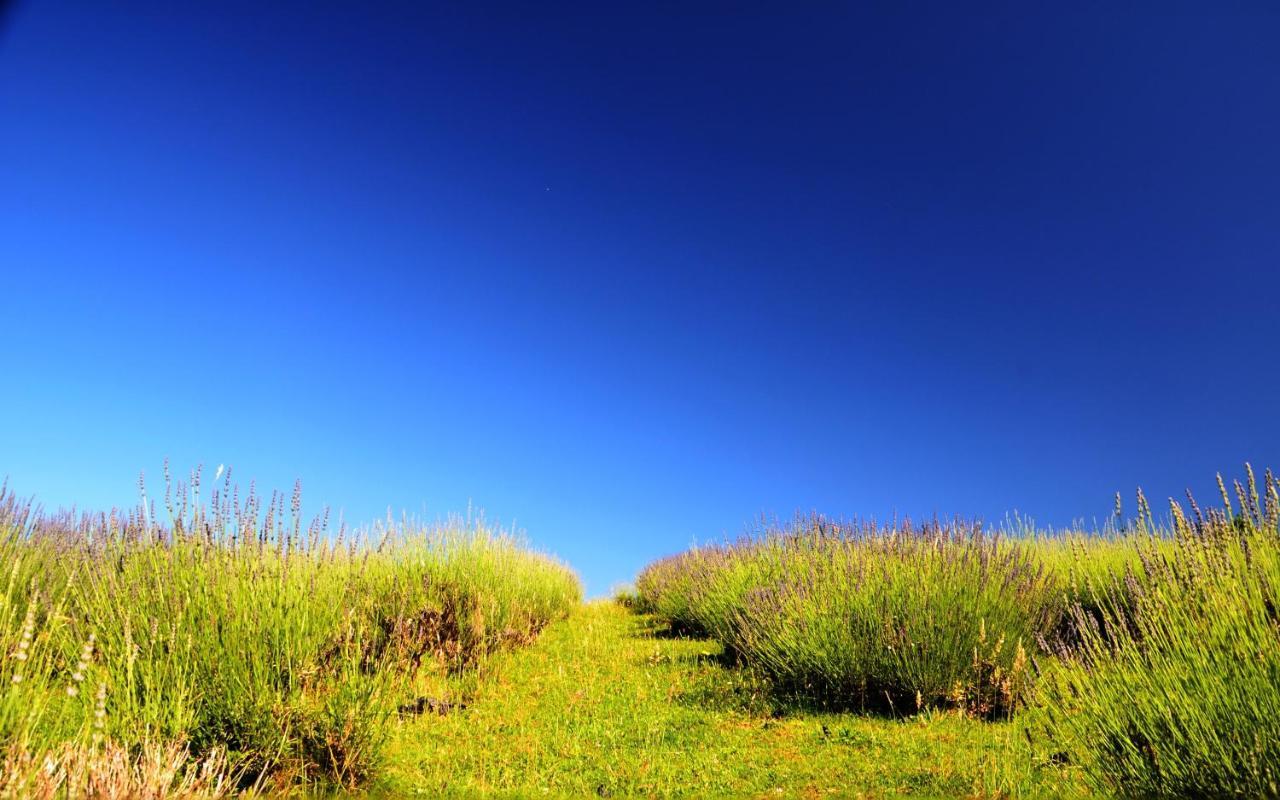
[[698, 590], [459, 593], [76, 772], [1154, 647], [231, 635], [900, 618], [1176, 692]]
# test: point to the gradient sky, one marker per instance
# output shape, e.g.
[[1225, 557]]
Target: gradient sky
[[632, 276]]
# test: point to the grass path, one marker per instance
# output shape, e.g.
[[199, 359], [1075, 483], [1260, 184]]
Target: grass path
[[604, 705]]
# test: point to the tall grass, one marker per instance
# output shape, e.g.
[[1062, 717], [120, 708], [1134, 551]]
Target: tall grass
[[1154, 648], [905, 617], [232, 636], [1176, 691]]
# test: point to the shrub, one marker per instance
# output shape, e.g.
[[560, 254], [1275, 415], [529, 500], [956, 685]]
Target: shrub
[[907, 617], [1177, 692], [233, 636], [1086, 568], [695, 590]]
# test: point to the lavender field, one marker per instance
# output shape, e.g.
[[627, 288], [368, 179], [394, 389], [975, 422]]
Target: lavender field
[[223, 646], [214, 645], [1144, 657]]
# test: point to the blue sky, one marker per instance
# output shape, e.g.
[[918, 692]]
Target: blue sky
[[632, 277]]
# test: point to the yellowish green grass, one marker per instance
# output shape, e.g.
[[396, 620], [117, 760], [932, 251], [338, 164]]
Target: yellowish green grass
[[226, 650], [607, 704]]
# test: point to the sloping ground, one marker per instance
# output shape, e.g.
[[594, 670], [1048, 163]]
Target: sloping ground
[[605, 704]]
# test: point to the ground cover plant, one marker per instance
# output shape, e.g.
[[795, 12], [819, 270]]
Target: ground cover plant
[[229, 647]]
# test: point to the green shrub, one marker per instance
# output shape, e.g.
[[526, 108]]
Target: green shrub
[[237, 637], [912, 618], [1177, 692], [697, 591], [907, 617], [1086, 568]]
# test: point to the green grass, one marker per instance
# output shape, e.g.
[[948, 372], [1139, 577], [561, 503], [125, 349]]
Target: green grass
[[240, 644], [606, 703], [229, 649], [1177, 692], [1149, 660], [859, 615]]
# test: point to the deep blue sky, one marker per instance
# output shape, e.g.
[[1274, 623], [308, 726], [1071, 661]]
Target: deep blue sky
[[631, 277]]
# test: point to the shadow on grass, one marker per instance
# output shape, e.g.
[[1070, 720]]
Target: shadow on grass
[[660, 629], [723, 682], [732, 687], [711, 652]]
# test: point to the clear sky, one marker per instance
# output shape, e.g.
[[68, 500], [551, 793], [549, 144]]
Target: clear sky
[[631, 275]]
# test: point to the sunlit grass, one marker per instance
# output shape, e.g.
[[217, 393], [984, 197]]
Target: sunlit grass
[[231, 635], [1147, 655], [1174, 687], [941, 615], [609, 703], [225, 647]]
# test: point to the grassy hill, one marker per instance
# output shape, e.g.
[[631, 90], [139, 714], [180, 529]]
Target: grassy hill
[[229, 650]]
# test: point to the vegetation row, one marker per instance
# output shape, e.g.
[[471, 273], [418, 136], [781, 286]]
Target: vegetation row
[[1146, 655], [228, 647]]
